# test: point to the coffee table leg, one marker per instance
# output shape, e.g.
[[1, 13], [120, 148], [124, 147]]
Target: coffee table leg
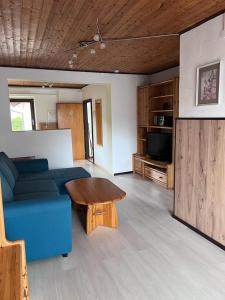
[[104, 214]]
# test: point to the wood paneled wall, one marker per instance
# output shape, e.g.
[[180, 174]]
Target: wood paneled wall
[[200, 175], [45, 33]]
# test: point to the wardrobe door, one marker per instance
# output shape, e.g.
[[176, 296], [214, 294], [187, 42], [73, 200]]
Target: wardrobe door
[[70, 115]]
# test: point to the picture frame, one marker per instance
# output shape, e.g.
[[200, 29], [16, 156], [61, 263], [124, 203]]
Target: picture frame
[[208, 84]]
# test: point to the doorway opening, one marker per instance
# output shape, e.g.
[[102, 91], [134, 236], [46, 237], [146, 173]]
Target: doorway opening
[[88, 130]]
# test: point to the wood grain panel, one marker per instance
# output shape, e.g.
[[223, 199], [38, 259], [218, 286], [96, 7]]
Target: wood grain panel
[[143, 106], [13, 270], [98, 116], [200, 175], [70, 115], [38, 33]]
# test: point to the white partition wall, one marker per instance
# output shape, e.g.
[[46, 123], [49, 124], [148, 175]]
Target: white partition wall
[[55, 145]]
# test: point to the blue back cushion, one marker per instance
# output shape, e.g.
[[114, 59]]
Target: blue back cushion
[[7, 192], [10, 164], [7, 173]]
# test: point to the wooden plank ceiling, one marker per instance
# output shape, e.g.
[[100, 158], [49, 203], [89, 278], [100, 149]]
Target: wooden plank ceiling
[[38, 33], [37, 84]]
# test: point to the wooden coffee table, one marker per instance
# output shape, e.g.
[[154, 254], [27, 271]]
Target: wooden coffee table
[[98, 194]]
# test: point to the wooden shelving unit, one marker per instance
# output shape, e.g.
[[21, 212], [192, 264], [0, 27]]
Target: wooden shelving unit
[[157, 99]]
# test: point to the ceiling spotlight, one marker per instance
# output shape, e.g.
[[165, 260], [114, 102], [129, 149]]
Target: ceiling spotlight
[[75, 55], [102, 45], [96, 37], [116, 71], [92, 51]]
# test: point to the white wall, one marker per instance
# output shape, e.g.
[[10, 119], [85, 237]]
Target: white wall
[[200, 46], [103, 154], [165, 75], [45, 100], [123, 106], [55, 145]]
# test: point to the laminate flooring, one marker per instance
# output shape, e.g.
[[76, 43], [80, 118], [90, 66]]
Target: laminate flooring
[[150, 256]]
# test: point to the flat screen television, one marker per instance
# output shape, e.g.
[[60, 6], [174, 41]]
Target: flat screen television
[[159, 146]]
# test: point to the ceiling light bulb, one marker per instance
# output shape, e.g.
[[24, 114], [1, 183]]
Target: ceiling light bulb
[[74, 55], [96, 37], [102, 45], [92, 51]]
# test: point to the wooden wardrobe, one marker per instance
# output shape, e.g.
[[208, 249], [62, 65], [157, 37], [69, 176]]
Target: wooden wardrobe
[[200, 176], [70, 115]]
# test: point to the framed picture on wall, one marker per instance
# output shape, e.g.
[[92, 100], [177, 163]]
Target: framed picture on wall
[[208, 84]]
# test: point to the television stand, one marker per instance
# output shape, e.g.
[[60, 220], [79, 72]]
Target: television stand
[[157, 171]]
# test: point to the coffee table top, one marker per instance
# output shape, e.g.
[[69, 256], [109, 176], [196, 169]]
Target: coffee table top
[[89, 191]]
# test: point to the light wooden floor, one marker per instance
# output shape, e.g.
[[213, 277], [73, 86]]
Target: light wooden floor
[[150, 256]]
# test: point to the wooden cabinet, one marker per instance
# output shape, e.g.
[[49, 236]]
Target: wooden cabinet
[[156, 101], [137, 165], [155, 175], [143, 106], [157, 171], [70, 115]]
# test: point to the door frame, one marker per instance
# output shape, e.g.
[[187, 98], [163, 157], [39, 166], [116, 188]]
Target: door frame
[[86, 129]]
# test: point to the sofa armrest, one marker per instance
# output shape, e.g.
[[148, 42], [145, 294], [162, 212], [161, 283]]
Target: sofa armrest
[[45, 224], [31, 165]]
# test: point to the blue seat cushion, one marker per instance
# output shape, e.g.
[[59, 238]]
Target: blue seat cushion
[[10, 164], [35, 186], [61, 176], [38, 195], [7, 192], [70, 173], [35, 176], [7, 173]]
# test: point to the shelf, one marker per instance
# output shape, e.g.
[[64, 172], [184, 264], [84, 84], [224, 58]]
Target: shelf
[[162, 97], [162, 110], [162, 83], [161, 127], [157, 163]]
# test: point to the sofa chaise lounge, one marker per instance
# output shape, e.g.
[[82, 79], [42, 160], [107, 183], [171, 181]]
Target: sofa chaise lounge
[[37, 208]]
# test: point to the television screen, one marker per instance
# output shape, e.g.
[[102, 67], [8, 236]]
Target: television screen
[[159, 146]]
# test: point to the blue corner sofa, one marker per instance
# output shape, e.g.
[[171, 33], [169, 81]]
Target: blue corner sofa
[[37, 208]]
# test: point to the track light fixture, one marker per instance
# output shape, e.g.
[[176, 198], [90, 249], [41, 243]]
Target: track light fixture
[[102, 45], [98, 39], [47, 85]]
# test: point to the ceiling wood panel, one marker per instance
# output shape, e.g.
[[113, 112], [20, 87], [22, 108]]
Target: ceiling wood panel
[[39, 33], [30, 83]]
